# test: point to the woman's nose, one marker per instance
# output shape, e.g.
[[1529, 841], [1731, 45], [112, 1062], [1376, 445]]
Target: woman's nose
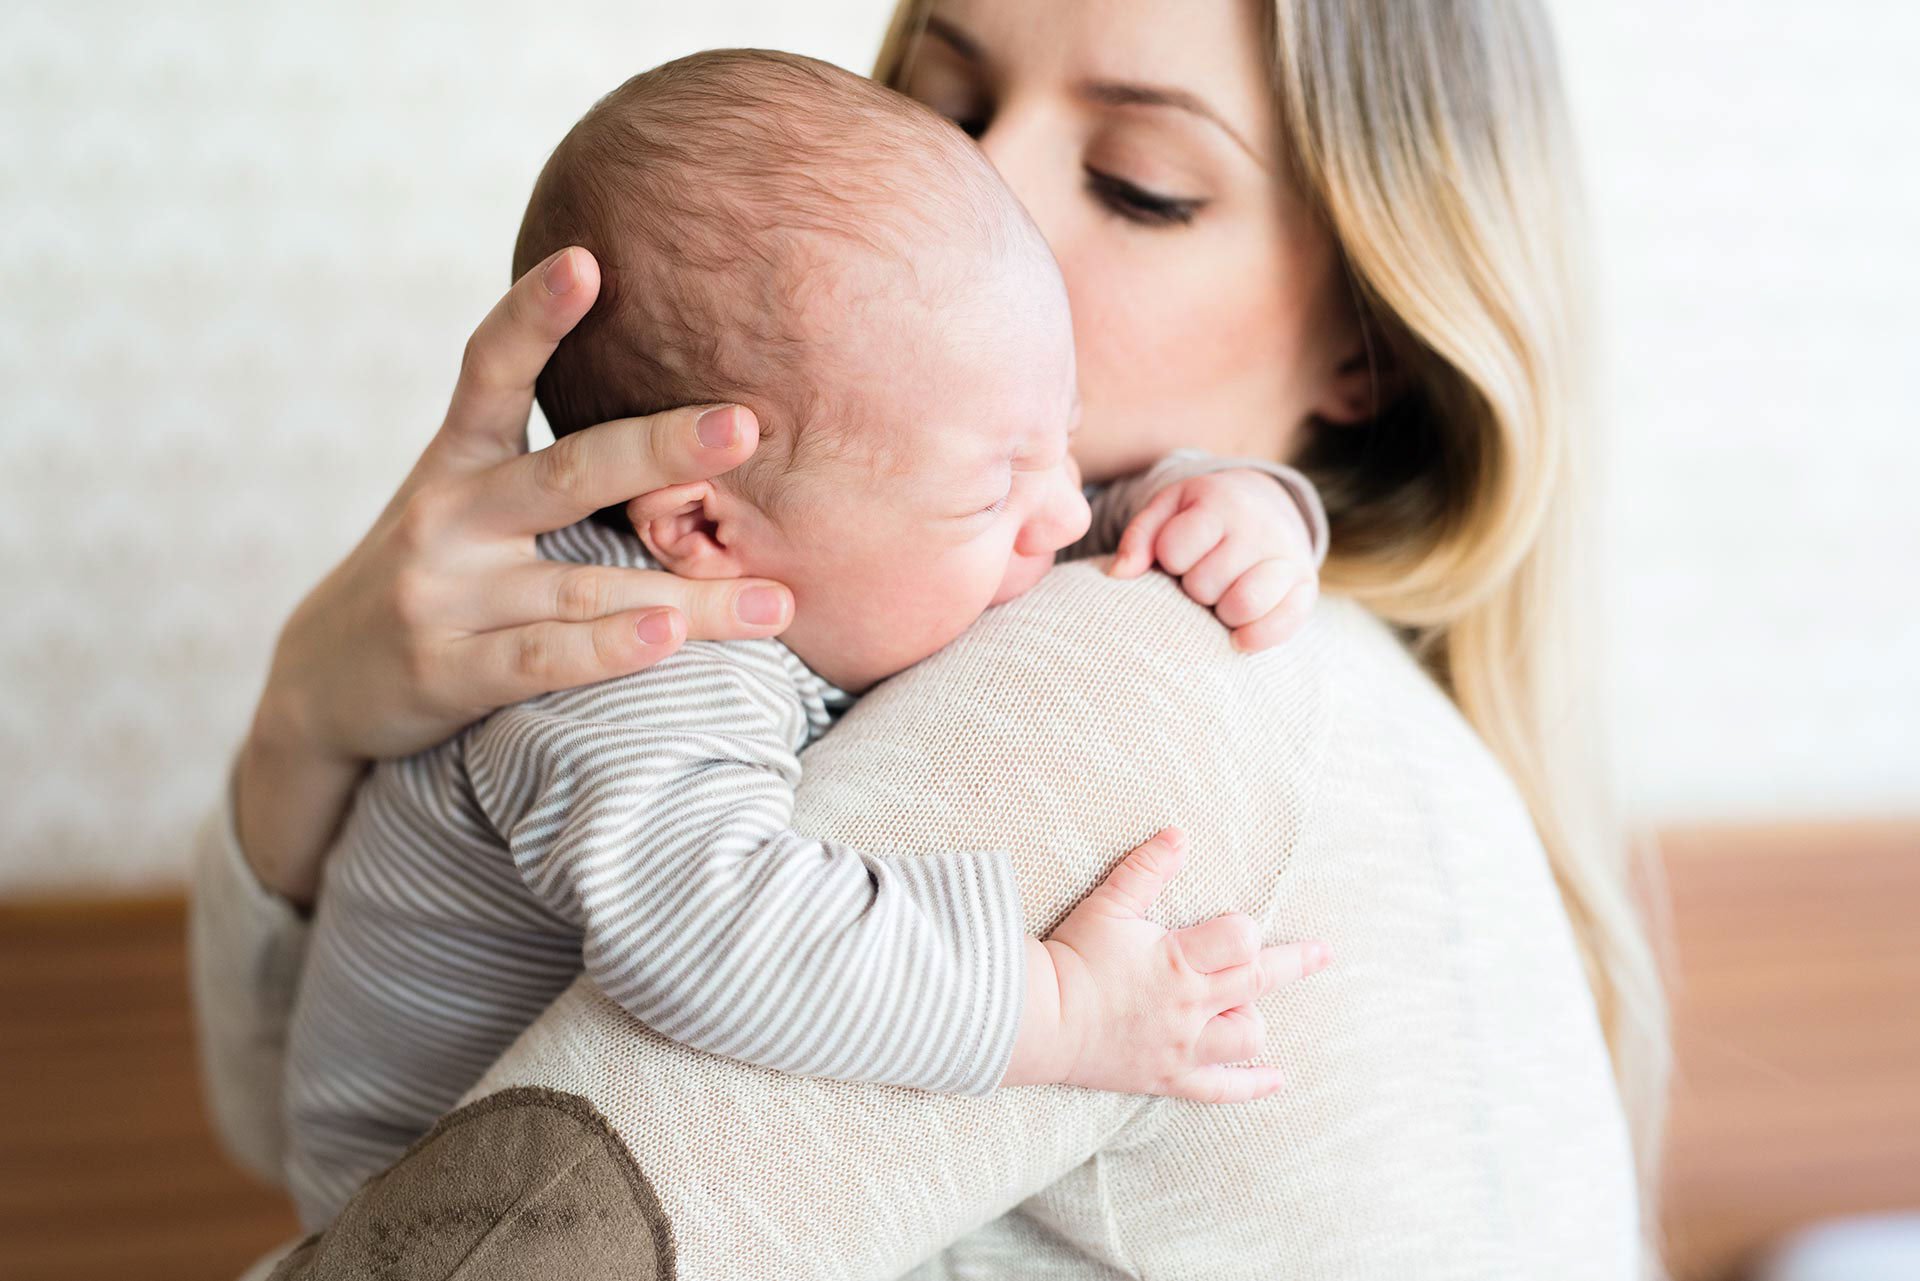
[[1023, 150]]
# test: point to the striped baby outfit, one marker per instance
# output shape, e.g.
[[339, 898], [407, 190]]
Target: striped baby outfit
[[639, 829]]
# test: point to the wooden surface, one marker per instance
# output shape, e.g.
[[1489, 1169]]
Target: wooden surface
[[107, 1167], [1798, 1007], [1797, 1033]]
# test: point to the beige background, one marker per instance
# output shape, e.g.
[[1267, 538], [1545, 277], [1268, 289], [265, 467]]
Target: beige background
[[241, 245]]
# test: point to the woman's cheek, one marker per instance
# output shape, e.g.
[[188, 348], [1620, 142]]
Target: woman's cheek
[[1145, 343]]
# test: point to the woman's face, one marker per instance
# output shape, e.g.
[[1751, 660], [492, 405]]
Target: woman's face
[[1209, 306]]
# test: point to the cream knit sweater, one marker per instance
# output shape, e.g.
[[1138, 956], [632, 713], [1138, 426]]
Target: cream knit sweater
[[1450, 1111]]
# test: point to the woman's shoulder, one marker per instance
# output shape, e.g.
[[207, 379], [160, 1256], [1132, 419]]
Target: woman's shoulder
[[1088, 678], [1140, 645], [1090, 690]]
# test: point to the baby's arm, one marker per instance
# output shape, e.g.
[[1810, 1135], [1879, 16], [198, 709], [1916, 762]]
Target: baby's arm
[[705, 916], [1239, 543]]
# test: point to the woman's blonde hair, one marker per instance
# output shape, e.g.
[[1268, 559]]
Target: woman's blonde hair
[[1432, 138]]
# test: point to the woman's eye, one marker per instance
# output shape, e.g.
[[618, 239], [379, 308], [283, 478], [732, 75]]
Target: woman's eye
[[968, 112], [1137, 204]]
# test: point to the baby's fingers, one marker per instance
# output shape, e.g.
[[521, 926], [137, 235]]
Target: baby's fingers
[[1131, 888], [1258, 591], [1220, 944], [1184, 540], [1279, 625], [1286, 963], [1221, 570], [1135, 554], [1227, 1084], [1276, 967], [1232, 1036]]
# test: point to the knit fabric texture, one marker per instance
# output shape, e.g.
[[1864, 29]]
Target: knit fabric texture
[[1449, 1113]]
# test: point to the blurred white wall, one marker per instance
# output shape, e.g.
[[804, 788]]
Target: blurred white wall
[[242, 243], [1752, 167]]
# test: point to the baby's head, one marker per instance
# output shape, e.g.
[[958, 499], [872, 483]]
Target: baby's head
[[780, 234]]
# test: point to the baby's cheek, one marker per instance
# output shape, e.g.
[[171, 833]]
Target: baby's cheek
[[1023, 574]]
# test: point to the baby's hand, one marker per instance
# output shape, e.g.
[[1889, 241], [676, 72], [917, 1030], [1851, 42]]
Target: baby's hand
[[1238, 543], [1116, 1002]]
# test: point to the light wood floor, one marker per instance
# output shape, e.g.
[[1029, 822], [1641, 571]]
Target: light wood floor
[[1797, 1001], [107, 1167], [1797, 1033]]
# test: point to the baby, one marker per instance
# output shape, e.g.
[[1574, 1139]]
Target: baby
[[777, 234]]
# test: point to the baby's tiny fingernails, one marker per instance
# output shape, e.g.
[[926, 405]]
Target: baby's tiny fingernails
[[1319, 956]]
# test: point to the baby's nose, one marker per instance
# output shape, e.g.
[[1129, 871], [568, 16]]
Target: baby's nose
[[1059, 524]]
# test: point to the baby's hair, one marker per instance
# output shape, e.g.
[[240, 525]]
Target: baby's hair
[[706, 189]]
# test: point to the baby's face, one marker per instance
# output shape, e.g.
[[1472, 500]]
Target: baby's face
[[893, 551]]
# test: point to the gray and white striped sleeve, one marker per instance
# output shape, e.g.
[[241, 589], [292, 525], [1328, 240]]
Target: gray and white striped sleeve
[[654, 813]]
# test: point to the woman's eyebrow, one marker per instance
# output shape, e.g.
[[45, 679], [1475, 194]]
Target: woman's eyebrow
[[963, 44], [1112, 93]]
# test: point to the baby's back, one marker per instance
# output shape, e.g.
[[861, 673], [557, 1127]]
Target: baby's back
[[455, 901], [428, 957]]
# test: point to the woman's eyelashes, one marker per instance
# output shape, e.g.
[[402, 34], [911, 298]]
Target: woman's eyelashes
[[1110, 191], [1137, 204]]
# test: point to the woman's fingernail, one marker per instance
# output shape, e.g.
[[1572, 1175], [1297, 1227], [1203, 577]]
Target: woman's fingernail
[[655, 628], [560, 277], [716, 428], [760, 606]]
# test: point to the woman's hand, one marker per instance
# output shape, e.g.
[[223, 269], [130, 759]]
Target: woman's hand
[[444, 611]]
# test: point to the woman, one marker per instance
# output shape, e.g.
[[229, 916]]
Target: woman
[[1334, 233]]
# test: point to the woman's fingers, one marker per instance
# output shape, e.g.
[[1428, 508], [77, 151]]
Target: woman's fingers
[[609, 464], [715, 609], [487, 418], [519, 663]]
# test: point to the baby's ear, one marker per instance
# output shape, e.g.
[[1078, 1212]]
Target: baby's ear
[[682, 531]]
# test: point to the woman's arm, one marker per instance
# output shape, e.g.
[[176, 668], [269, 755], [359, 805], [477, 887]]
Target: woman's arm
[[245, 949], [442, 613]]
